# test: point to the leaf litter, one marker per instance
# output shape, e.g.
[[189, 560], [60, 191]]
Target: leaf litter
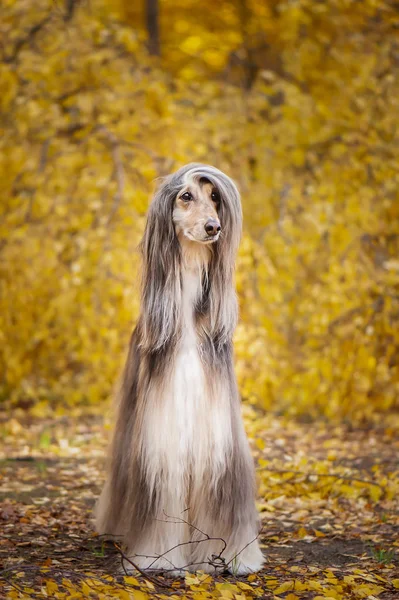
[[328, 497]]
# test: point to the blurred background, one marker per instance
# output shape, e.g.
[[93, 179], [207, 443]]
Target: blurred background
[[297, 100]]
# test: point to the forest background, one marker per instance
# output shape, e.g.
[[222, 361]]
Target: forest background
[[297, 100]]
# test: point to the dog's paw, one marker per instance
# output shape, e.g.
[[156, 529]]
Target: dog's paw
[[249, 561]]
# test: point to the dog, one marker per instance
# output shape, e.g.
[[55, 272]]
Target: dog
[[181, 483]]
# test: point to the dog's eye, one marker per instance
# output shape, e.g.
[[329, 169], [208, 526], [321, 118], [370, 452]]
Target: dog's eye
[[186, 196], [215, 196]]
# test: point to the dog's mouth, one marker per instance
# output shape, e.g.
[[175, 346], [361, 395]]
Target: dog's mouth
[[208, 239]]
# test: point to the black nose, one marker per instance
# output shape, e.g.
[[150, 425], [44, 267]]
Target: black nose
[[212, 227]]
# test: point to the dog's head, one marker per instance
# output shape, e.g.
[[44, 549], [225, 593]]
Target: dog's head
[[199, 203], [196, 211]]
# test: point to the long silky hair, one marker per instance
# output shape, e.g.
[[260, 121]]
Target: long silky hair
[[160, 306], [131, 496]]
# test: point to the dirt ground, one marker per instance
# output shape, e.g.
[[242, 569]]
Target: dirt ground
[[328, 499]]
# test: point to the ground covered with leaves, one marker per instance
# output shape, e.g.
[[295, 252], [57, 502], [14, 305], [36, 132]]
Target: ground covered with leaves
[[328, 498]]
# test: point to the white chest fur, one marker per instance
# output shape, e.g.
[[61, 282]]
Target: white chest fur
[[187, 425]]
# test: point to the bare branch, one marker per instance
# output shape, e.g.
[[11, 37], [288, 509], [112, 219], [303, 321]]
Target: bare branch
[[153, 580], [31, 33]]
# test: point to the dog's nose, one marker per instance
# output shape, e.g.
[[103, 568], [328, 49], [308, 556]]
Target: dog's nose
[[212, 227]]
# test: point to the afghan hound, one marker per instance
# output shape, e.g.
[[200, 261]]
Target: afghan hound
[[181, 485]]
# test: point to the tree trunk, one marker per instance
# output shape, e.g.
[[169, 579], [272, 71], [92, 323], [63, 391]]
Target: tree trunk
[[152, 14]]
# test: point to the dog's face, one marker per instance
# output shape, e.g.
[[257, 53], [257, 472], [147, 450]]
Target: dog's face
[[195, 213]]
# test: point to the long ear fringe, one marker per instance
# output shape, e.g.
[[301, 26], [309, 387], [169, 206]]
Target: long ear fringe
[[161, 288]]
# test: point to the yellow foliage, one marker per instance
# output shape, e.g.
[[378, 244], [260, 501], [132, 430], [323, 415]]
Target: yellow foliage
[[296, 101]]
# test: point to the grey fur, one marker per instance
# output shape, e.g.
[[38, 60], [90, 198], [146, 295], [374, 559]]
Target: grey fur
[[221, 504]]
